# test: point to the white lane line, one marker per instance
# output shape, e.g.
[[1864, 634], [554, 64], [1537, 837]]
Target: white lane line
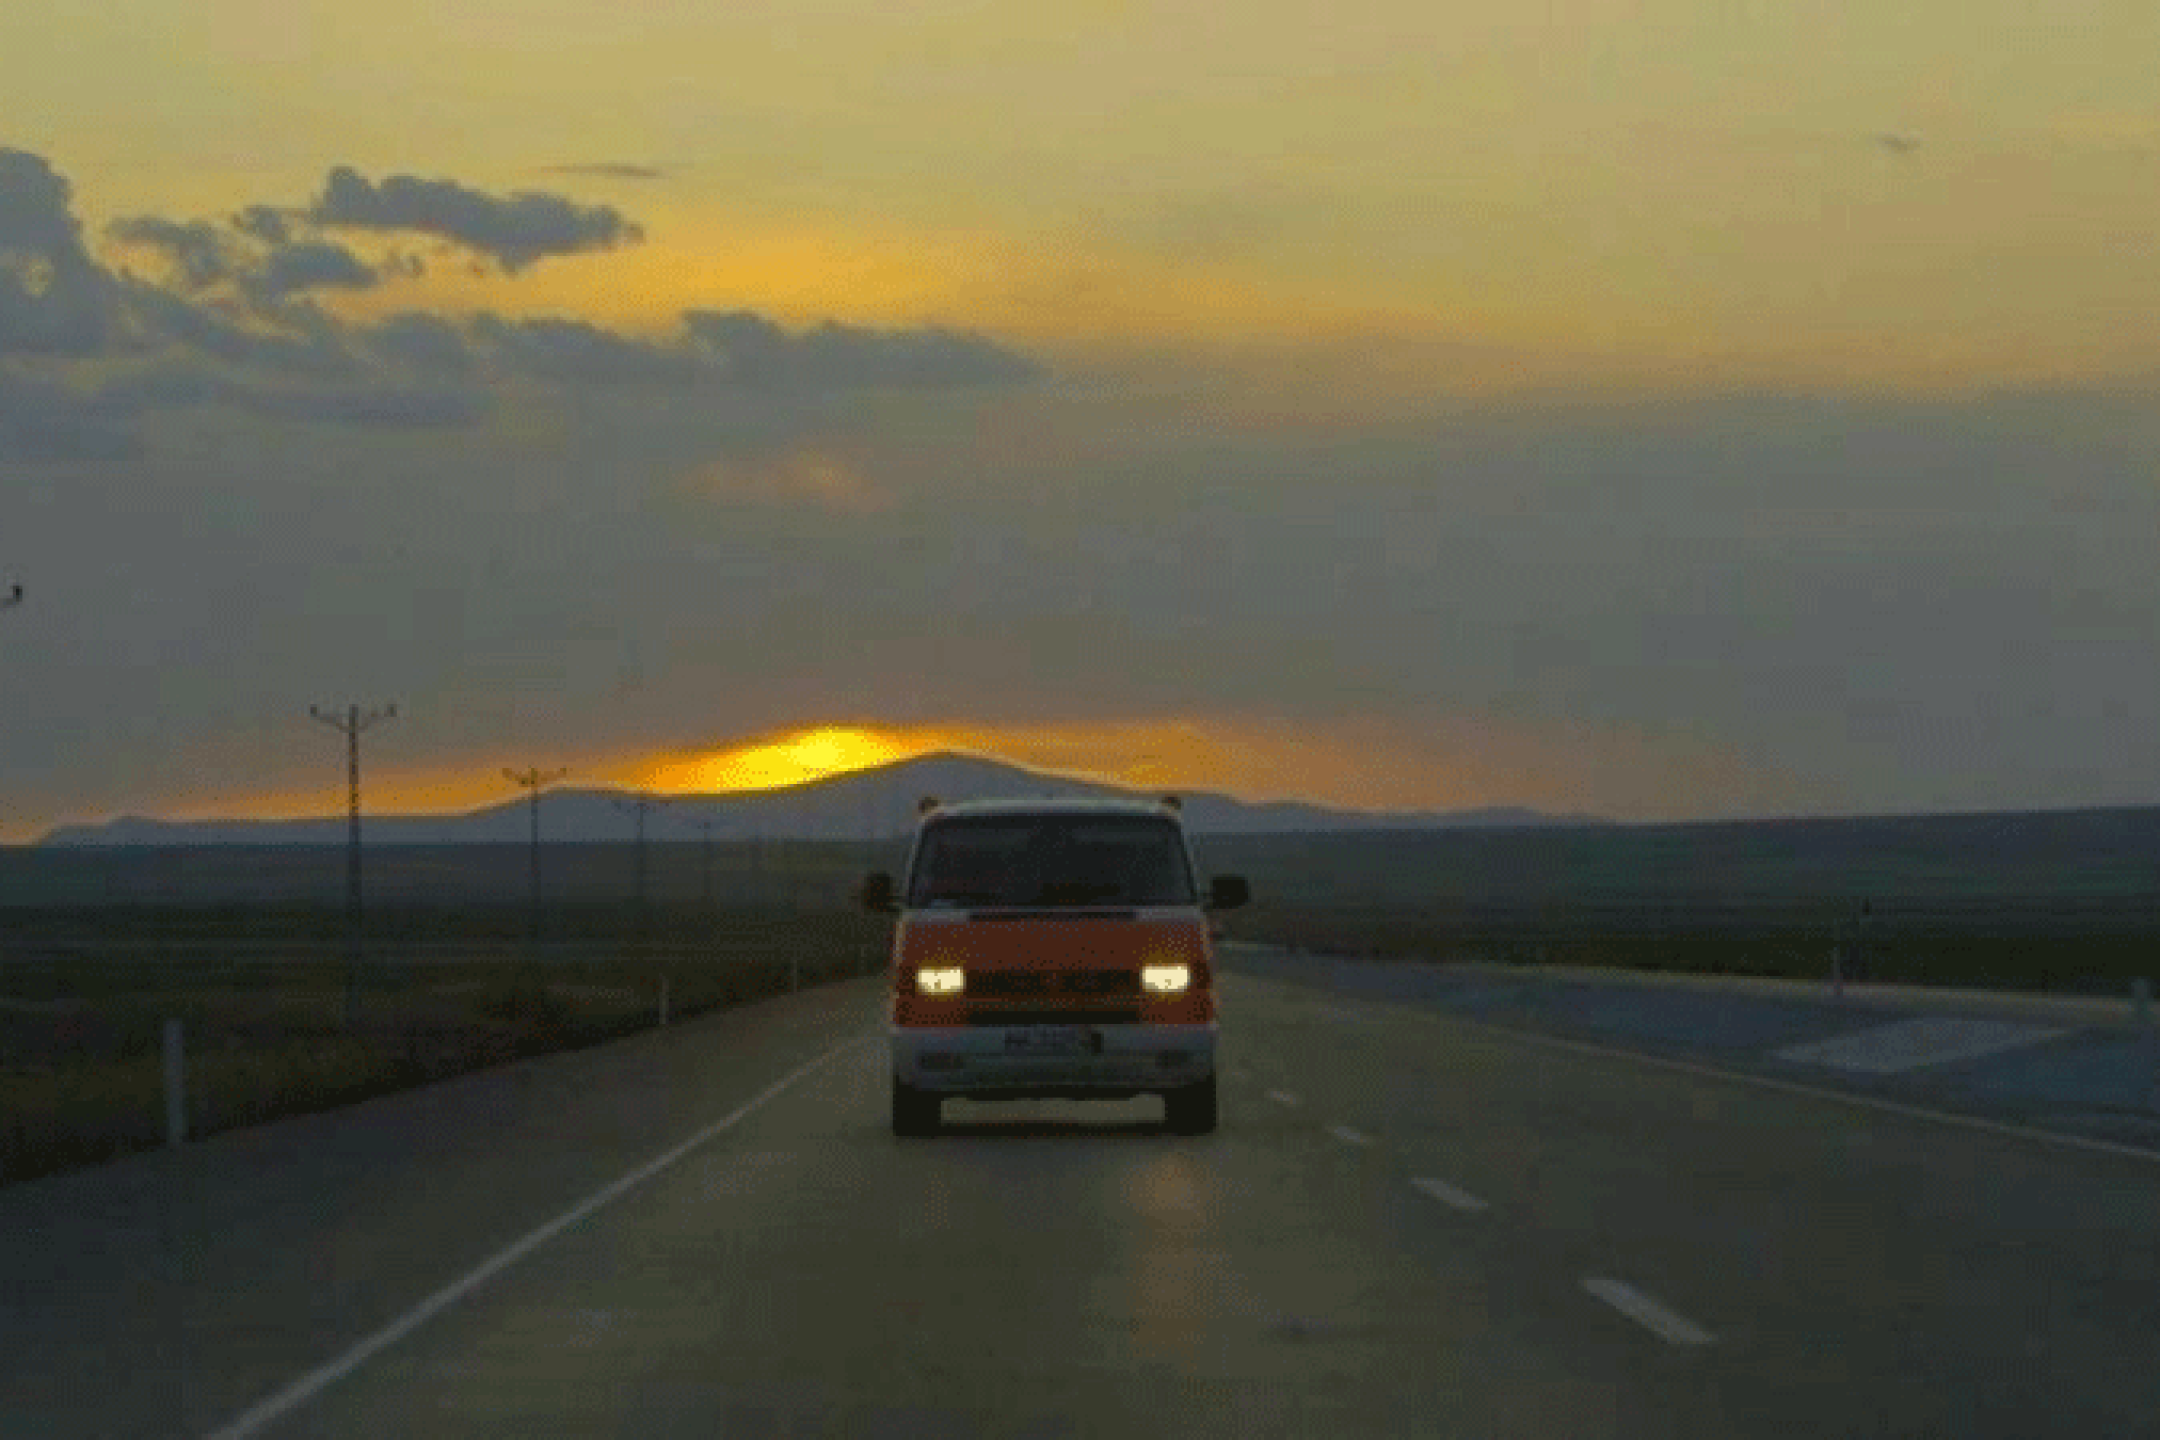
[[1661, 1322], [1792, 1087], [300, 1391], [1349, 1136], [1447, 1194], [1282, 1097]]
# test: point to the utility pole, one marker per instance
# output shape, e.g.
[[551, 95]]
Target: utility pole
[[757, 853], [535, 779], [639, 807], [354, 723], [705, 828]]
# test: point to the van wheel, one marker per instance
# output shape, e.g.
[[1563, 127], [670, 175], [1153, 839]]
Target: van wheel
[[914, 1112], [1190, 1110]]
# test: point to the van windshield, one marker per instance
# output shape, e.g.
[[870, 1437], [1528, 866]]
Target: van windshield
[[1051, 860]]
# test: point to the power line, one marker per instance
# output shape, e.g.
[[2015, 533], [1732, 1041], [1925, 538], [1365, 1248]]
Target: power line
[[535, 779], [705, 828], [640, 807], [353, 723]]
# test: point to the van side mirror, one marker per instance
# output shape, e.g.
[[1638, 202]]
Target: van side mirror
[[877, 892], [1227, 892]]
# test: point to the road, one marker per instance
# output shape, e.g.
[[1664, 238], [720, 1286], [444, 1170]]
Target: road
[[1409, 1224]]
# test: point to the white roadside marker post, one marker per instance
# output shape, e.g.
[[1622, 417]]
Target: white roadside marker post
[[175, 1086]]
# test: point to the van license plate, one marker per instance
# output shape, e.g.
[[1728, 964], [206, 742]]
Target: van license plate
[[1053, 1040]]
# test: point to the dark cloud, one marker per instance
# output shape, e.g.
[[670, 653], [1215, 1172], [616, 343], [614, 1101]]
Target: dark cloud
[[515, 231], [203, 256], [743, 349], [610, 170], [573, 352], [230, 322], [309, 265], [312, 347], [200, 254], [425, 343], [264, 223], [752, 350], [54, 299], [36, 209]]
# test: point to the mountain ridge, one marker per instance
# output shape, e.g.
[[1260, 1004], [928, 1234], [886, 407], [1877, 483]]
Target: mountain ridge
[[876, 801]]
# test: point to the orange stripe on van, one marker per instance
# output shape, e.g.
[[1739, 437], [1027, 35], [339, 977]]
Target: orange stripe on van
[[1045, 965]]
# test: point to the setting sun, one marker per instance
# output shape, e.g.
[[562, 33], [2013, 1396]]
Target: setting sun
[[790, 760]]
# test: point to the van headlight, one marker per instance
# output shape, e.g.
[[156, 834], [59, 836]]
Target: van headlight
[[940, 980], [1165, 979]]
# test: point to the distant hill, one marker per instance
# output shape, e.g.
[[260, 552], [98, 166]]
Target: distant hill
[[880, 801]]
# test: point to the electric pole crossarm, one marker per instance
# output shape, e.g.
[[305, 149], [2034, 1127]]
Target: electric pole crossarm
[[534, 779], [352, 724], [640, 807]]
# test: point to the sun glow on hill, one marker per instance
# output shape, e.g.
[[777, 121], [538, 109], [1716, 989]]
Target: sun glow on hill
[[791, 759]]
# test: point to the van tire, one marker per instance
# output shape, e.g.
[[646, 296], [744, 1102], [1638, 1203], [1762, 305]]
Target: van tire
[[1190, 1110], [914, 1112]]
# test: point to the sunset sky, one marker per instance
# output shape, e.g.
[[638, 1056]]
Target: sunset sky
[[1661, 408]]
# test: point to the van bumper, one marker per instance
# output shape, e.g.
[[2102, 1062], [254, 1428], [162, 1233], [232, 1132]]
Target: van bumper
[[993, 1061]]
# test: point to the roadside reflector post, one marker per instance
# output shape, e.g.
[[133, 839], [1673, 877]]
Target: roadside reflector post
[[175, 1086], [663, 999]]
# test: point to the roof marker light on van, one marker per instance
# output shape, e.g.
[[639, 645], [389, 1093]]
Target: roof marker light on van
[[1173, 802]]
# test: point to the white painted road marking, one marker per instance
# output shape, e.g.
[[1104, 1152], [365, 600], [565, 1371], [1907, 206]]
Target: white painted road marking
[[1282, 1097], [1794, 1087], [1910, 1044], [1349, 1136], [323, 1376], [1447, 1194], [1644, 1311]]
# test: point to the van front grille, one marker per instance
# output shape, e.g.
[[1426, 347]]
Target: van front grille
[[1016, 984], [1037, 1016]]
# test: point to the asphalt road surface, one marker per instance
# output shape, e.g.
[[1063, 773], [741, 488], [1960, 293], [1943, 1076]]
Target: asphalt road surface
[[1408, 1225]]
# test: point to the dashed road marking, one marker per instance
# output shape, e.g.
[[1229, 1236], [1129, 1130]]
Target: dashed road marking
[[1448, 1195], [1349, 1136], [1282, 1097], [1671, 1328]]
